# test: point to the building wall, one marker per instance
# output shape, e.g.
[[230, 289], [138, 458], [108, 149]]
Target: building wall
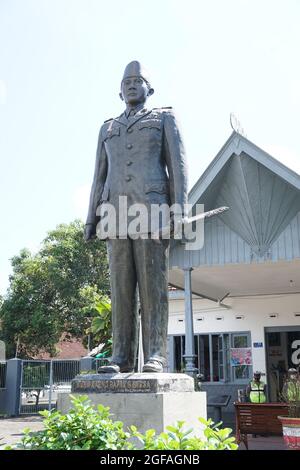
[[257, 313]]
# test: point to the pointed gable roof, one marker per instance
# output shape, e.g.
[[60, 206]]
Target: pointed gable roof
[[263, 194]]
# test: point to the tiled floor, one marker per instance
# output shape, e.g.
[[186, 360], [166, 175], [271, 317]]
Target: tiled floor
[[11, 429], [259, 442], [11, 432], [264, 443]]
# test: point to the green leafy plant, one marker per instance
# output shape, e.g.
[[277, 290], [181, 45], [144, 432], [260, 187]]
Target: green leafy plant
[[177, 438], [101, 322], [87, 428], [83, 428]]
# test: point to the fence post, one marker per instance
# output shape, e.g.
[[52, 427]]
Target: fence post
[[50, 385], [13, 384], [86, 363]]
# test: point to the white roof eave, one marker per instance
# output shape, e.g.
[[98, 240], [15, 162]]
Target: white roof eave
[[235, 145]]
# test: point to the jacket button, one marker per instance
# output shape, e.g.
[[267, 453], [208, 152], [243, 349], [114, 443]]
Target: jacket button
[[129, 146], [129, 162], [128, 178]]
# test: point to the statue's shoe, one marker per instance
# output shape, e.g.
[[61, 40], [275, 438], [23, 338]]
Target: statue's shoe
[[113, 368], [127, 369], [153, 366]]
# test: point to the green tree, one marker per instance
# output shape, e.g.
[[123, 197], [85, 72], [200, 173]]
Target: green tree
[[54, 291], [34, 379], [101, 321]]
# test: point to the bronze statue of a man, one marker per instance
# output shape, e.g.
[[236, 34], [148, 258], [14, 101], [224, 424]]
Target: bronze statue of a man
[[141, 156]]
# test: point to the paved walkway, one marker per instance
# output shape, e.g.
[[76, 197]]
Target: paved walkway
[[264, 443], [11, 428], [11, 432]]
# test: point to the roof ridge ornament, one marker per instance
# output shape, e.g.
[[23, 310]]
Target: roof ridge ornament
[[236, 125]]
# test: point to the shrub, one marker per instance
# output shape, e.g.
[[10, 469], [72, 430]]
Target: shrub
[[87, 428], [83, 428], [179, 439]]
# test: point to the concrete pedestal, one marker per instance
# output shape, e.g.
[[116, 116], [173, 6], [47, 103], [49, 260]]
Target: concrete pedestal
[[148, 401]]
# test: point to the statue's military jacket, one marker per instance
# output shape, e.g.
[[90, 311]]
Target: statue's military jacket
[[142, 158]]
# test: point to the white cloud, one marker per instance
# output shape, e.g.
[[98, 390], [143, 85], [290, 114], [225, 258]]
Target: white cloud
[[294, 92], [81, 200], [285, 155], [3, 92], [34, 248]]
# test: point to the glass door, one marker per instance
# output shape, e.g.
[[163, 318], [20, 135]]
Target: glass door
[[223, 357]]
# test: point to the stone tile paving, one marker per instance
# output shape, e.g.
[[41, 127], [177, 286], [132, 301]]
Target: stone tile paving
[[11, 428], [11, 432], [264, 443]]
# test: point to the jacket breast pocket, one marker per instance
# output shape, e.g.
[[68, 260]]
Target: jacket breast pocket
[[150, 124], [157, 193], [113, 132], [159, 187]]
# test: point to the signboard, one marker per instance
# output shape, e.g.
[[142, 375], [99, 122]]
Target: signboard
[[241, 356], [257, 345]]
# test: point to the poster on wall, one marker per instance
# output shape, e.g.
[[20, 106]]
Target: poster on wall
[[241, 356]]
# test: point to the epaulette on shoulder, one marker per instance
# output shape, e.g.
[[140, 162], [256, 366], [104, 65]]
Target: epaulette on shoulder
[[107, 120], [164, 107]]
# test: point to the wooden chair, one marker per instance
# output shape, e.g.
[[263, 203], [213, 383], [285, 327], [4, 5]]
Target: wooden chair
[[258, 418]]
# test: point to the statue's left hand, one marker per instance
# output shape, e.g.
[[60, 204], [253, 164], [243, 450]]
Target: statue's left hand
[[89, 232]]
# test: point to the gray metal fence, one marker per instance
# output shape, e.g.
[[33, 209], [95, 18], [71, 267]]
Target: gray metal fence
[[3, 366], [98, 362], [42, 381]]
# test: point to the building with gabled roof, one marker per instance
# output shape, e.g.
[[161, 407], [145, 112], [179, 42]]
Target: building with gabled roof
[[245, 280]]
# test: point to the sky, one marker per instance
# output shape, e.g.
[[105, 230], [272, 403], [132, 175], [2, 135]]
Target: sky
[[61, 63]]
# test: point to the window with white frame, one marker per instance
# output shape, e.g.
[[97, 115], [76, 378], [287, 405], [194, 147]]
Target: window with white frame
[[220, 357]]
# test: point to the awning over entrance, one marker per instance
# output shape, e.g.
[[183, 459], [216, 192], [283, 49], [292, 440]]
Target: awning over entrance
[[237, 280]]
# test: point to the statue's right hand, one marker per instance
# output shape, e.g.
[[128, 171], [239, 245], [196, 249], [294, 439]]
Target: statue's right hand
[[89, 232]]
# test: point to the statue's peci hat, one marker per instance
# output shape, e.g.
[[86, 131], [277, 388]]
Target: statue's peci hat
[[135, 69]]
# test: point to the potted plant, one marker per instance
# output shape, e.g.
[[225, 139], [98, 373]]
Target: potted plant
[[291, 423]]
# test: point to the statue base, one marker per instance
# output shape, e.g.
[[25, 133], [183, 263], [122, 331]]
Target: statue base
[[145, 400]]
